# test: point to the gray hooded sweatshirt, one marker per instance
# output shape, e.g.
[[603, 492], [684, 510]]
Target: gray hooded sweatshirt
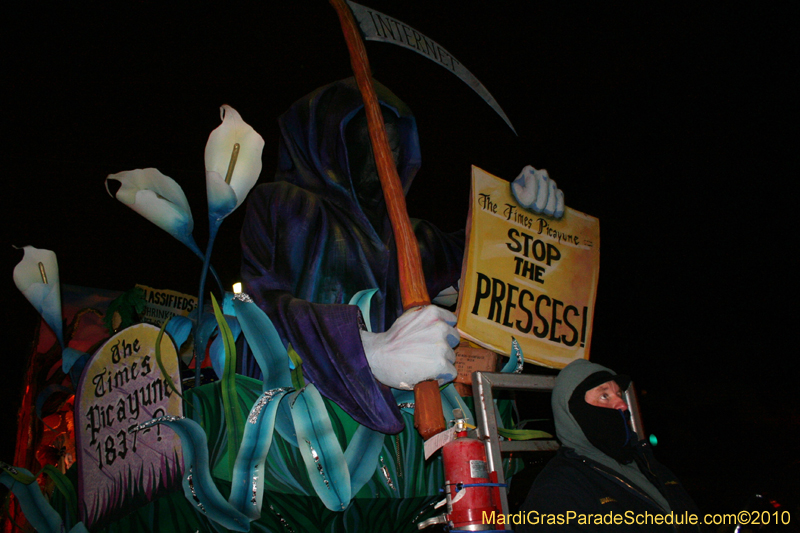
[[571, 435]]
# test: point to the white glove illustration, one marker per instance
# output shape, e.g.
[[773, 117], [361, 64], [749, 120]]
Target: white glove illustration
[[534, 190], [418, 346]]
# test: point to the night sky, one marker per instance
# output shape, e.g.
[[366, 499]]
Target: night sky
[[675, 125]]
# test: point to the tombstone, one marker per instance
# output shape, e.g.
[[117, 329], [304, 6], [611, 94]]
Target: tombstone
[[122, 386]]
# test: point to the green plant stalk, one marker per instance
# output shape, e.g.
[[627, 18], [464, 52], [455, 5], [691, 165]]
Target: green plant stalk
[[167, 377], [199, 357], [196, 249], [298, 381], [523, 434], [234, 419], [65, 487]]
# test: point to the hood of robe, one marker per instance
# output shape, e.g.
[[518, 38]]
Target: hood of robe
[[313, 150]]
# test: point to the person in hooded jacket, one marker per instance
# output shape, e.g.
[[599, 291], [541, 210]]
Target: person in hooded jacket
[[602, 469]]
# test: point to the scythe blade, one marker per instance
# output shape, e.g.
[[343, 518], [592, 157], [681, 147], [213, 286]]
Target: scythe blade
[[377, 26]]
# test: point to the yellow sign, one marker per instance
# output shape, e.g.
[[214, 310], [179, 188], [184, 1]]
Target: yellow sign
[[527, 276], [163, 304]]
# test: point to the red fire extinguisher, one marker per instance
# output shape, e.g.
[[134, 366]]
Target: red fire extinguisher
[[472, 492]]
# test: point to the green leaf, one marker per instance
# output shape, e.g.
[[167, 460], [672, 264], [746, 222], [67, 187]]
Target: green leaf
[[207, 409], [164, 373], [322, 454], [233, 416], [199, 486], [362, 456], [523, 434], [34, 506], [247, 486], [127, 305], [17, 474], [65, 487], [298, 381], [265, 344]]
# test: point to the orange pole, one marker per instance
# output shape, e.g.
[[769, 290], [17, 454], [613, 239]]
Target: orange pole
[[428, 418]]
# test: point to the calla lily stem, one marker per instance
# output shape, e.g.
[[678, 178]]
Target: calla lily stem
[[216, 277], [197, 359], [196, 249]]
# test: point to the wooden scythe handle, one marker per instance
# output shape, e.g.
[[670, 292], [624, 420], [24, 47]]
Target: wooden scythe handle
[[428, 418]]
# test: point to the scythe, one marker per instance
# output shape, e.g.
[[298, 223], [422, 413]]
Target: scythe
[[428, 417], [377, 26]]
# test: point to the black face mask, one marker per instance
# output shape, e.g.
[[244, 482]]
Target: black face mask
[[607, 429]]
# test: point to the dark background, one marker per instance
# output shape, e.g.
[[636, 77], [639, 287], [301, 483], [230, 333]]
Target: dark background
[[674, 124]]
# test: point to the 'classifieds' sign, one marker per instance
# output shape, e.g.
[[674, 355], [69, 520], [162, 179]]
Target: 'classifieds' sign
[[527, 276]]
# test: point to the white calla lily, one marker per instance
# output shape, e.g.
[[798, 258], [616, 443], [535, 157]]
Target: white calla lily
[[36, 276], [233, 163], [159, 199]]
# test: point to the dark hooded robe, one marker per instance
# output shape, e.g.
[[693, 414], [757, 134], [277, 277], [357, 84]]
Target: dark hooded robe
[[308, 247]]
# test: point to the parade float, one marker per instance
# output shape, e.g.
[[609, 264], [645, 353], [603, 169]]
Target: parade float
[[121, 429]]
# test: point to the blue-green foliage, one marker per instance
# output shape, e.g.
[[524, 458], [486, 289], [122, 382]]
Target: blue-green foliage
[[321, 451], [233, 416]]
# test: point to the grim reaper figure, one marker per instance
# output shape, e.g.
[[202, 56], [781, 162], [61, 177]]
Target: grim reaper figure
[[319, 234]]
